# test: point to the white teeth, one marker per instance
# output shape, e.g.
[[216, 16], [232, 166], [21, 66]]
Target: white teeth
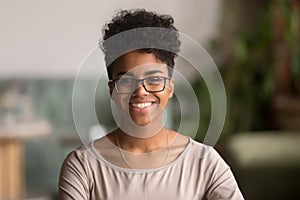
[[141, 105]]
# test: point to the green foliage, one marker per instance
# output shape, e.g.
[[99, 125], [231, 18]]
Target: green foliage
[[249, 78], [292, 38]]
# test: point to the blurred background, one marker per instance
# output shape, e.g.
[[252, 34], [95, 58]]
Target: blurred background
[[255, 44]]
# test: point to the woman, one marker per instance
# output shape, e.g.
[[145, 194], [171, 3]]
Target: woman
[[142, 159]]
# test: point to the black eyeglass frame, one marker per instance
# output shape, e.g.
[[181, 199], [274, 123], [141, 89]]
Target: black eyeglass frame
[[137, 81]]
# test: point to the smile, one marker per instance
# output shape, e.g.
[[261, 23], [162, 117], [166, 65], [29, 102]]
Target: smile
[[141, 105]]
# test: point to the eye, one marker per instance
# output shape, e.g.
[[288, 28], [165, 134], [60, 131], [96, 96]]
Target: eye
[[125, 81], [154, 80]]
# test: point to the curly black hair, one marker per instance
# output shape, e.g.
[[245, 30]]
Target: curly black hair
[[161, 38]]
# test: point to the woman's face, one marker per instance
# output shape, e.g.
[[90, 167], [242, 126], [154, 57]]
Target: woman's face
[[141, 106]]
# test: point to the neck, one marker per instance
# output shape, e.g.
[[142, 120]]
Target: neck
[[141, 145]]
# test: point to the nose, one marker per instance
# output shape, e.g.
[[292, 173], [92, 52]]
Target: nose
[[140, 89]]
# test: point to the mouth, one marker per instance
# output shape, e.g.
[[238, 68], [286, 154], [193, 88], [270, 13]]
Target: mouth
[[141, 106]]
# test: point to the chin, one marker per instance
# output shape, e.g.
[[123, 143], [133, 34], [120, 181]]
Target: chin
[[142, 123]]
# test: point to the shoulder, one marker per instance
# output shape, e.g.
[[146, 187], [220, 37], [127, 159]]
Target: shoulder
[[81, 157], [207, 156], [78, 154], [74, 178], [202, 150], [217, 176]]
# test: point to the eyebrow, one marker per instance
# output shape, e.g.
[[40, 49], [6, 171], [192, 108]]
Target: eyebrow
[[125, 73], [131, 74], [152, 72]]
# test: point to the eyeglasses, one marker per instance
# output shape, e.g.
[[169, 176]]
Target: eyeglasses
[[150, 84]]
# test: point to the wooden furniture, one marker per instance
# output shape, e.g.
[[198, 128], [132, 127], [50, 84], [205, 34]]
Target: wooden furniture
[[12, 136]]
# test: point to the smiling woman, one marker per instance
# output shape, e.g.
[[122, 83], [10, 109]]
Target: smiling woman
[[142, 159]]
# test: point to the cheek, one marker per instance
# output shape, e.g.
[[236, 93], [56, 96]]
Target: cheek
[[121, 101], [164, 99]]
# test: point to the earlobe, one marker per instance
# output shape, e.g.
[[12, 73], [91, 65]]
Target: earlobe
[[171, 94], [171, 88]]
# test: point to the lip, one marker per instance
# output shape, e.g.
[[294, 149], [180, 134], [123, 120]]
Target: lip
[[134, 106]]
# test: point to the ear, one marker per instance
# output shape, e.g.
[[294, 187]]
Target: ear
[[111, 87], [171, 85]]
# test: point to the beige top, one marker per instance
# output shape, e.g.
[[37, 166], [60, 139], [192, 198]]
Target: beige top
[[197, 173]]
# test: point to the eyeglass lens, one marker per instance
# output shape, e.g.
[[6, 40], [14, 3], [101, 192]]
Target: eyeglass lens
[[151, 84]]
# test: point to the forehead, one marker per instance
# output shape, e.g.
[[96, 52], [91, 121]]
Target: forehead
[[138, 63]]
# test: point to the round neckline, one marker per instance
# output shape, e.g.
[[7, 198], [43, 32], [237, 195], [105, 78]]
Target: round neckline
[[109, 164]]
